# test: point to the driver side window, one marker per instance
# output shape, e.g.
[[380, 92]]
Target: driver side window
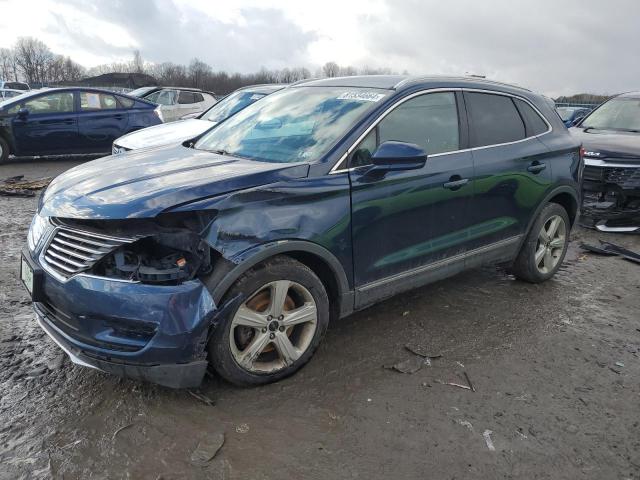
[[429, 121]]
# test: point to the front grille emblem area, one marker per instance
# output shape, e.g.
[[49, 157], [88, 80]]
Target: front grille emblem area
[[71, 251]]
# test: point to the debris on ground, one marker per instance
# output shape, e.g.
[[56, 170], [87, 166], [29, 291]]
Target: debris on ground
[[611, 249], [487, 438], [415, 363], [619, 364], [417, 350], [18, 187], [411, 365], [468, 386], [206, 450], [466, 423], [202, 397], [242, 428], [113, 437], [473, 389]]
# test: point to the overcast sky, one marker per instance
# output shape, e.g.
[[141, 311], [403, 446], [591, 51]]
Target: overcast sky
[[552, 46]]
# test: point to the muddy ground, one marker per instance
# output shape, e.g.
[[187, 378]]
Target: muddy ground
[[556, 369]]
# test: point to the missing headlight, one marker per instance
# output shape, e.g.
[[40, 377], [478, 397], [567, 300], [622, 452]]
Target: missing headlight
[[158, 259]]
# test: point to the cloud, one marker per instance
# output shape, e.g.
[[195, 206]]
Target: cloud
[[164, 30], [555, 47]]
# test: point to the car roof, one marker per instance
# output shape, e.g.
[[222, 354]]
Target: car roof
[[32, 93], [401, 82], [263, 88], [630, 95]]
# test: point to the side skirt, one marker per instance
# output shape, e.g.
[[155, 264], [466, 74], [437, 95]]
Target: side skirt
[[499, 252]]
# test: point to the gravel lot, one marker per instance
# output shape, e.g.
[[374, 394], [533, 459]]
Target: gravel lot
[[555, 367]]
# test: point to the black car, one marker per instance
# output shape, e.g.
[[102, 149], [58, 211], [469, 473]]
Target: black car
[[62, 121], [611, 139], [319, 200]]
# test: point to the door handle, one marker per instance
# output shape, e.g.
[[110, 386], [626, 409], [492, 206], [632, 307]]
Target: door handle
[[536, 167], [455, 182]]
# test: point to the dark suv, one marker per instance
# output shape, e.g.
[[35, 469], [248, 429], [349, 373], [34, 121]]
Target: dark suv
[[317, 201]]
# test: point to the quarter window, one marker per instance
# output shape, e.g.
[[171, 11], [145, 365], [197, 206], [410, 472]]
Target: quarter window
[[534, 125], [60, 102], [494, 119], [97, 101]]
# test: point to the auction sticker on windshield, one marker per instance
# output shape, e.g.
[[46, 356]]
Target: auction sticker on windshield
[[362, 96]]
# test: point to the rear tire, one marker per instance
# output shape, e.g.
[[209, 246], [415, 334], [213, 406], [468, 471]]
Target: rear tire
[[545, 247], [4, 150], [285, 334]]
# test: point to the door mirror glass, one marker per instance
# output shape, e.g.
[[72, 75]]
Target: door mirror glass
[[392, 155], [23, 113]]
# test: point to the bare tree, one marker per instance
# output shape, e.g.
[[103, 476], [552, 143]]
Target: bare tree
[[331, 69], [198, 71], [33, 58], [137, 64]]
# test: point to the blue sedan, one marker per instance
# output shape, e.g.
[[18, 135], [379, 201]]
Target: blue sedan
[[70, 121]]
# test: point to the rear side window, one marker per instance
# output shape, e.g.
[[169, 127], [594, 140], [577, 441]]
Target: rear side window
[[494, 119], [187, 97], [430, 121], [97, 101], [534, 124], [198, 97]]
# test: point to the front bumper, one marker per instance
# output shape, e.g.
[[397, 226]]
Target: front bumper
[[611, 196], [156, 333]]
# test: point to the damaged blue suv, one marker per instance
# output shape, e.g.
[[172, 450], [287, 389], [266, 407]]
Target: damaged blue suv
[[235, 250]]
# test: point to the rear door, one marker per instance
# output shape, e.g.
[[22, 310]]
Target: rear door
[[49, 127], [101, 119], [404, 220], [512, 171]]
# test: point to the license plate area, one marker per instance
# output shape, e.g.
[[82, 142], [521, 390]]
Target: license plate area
[[31, 277]]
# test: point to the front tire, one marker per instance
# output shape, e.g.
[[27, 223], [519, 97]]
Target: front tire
[[4, 150], [545, 247], [281, 316]]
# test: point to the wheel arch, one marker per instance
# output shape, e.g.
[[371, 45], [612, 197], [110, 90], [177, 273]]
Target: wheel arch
[[565, 196], [320, 260]]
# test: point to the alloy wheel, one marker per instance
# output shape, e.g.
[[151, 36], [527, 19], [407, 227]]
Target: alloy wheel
[[274, 327], [551, 244]]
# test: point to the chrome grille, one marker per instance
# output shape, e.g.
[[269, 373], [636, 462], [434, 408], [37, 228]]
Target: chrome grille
[[73, 251]]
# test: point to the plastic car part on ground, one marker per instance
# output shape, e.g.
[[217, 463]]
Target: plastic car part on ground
[[612, 250]]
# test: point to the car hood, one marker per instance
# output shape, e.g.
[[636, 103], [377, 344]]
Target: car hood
[[609, 144], [145, 183], [164, 134]]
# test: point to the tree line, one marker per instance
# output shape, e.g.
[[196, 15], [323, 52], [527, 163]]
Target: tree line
[[31, 60]]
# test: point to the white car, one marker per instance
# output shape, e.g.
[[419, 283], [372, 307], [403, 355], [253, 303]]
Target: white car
[[6, 93], [180, 131], [175, 102]]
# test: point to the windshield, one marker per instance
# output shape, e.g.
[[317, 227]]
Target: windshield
[[621, 114], [566, 112], [139, 92], [230, 105], [292, 125]]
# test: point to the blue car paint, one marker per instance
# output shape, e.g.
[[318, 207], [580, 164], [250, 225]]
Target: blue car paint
[[74, 132], [267, 208]]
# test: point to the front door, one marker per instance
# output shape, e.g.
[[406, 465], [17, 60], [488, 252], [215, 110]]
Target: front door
[[403, 221], [48, 126]]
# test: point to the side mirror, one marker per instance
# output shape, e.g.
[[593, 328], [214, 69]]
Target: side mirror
[[392, 155], [23, 113]]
